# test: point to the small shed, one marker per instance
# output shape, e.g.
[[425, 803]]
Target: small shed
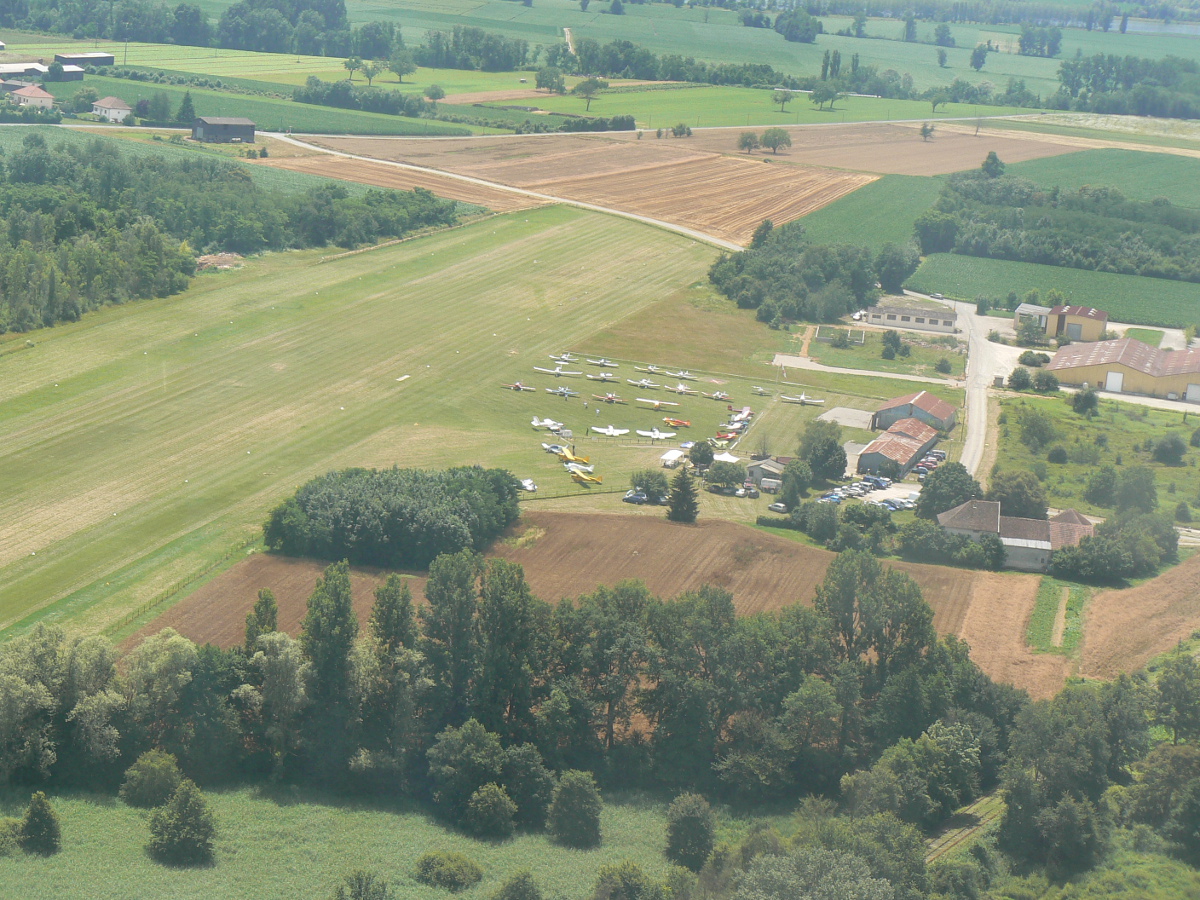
[[223, 130], [112, 109], [764, 468]]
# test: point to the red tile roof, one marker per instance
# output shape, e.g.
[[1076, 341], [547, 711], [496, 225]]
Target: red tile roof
[[1129, 353], [1086, 312], [896, 447], [914, 428], [922, 400]]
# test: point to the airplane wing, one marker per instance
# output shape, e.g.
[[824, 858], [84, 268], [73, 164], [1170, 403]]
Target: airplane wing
[[666, 434], [815, 402], [648, 434]]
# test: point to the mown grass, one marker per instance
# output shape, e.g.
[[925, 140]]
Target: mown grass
[[1151, 336], [881, 211], [923, 356], [1126, 298], [1040, 634], [294, 843], [1119, 427], [1137, 175]]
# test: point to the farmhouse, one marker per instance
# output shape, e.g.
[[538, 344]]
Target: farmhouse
[[1028, 543], [33, 96], [1074, 323], [923, 405], [112, 109], [86, 59], [912, 313], [1129, 366], [223, 130]]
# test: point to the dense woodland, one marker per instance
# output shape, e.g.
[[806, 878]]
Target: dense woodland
[[85, 226], [1129, 85], [992, 214]]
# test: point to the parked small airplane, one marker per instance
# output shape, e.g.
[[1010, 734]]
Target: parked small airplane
[[607, 398], [745, 415], [643, 383], [557, 370], [603, 376], [803, 400], [718, 443], [603, 361], [546, 423], [517, 386], [610, 430], [657, 404], [682, 373], [717, 395], [584, 478], [655, 435], [653, 370], [562, 392], [528, 485], [564, 357], [726, 435], [677, 423], [682, 388], [553, 448], [761, 391], [568, 455], [578, 467]]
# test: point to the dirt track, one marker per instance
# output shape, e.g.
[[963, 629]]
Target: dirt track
[[576, 552]]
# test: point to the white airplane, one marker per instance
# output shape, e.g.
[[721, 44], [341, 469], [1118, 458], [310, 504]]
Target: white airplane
[[603, 361], [682, 373], [553, 448], [744, 416], [557, 370], [546, 423], [643, 383], [803, 400], [655, 435], [564, 357], [610, 430], [761, 391], [578, 467], [603, 376], [653, 370], [607, 398], [517, 386], [717, 395], [528, 485], [657, 404], [562, 392], [682, 388]]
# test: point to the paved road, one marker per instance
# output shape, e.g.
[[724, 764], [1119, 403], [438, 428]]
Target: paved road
[[496, 185]]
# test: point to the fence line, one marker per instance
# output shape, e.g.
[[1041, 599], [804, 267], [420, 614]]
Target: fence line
[[591, 493], [164, 595]]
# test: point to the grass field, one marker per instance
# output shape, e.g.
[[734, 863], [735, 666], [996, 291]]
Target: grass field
[[1040, 634], [1126, 298], [875, 214], [924, 355], [1121, 426], [1151, 336], [1139, 176], [297, 844]]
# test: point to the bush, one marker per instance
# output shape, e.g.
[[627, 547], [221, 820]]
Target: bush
[[1033, 359], [1045, 382], [181, 832], [449, 870], [1057, 454], [363, 886], [1169, 450], [690, 830], [1183, 512], [519, 886], [1085, 402], [574, 817], [151, 780], [1195, 441], [626, 881], [490, 813], [10, 835], [1020, 380], [39, 831], [943, 366]]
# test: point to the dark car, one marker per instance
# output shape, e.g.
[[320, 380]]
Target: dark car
[[634, 497]]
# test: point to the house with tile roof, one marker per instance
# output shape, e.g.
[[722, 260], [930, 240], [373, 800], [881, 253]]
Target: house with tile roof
[[1028, 543]]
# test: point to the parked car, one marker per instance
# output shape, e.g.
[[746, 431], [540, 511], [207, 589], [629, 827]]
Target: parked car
[[778, 507], [893, 505], [634, 497], [938, 454], [921, 471]]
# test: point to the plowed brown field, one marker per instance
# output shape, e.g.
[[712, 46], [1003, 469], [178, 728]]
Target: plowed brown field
[[381, 175], [575, 553]]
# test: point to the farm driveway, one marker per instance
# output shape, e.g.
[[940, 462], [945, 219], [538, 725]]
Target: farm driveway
[[851, 418]]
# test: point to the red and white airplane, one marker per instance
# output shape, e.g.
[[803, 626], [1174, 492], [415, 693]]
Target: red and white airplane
[[607, 398], [517, 386], [677, 423], [683, 389], [717, 395]]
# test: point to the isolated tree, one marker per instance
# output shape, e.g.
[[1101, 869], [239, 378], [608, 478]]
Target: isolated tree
[[401, 63], [151, 780], [371, 68], [702, 452], [1045, 382], [588, 89], [583, 5], [187, 111], [39, 831], [894, 264], [434, 93], [1020, 379], [941, 57], [1102, 487], [690, 829], [926, 131], [821, 447], [992, 167], [519, 886], [682, 505], [825, 93], [1085, 402], [574, 817], [942, 36], [946, 487], [910, 29], [1019, 493], [616, 8], [774, 138], [550, 78], [782, 98], [1169, 450], [726, 474], [797, 476], [940, 98], [748, 141], [181, 833], [262, 619], [490, 813], [362, 885], [979, 57], [352, 65], [159, 107]]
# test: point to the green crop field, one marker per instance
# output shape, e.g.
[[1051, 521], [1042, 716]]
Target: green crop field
[[1126, 298], [1138, 175], [882, 211], [298, 844]]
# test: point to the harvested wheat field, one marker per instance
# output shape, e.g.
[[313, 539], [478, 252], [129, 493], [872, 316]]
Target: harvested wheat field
[[573, 553], [1125, 629], [382, 175]]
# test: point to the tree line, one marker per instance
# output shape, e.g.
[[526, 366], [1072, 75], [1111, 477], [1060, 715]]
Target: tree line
[[86, 225], [991, 214], [1129, 85]]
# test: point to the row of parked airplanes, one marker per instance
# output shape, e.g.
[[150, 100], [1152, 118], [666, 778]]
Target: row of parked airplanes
[[614, 431]]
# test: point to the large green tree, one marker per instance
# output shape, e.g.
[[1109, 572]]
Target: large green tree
[[510, 623], [682, 505], [328, 634], [947, 486], [821, 447], [1019, 493], [451, 640]]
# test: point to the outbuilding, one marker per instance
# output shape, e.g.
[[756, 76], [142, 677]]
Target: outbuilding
[[764, 468], [1028, 543], [1129, 366], [94, 58], [112, 109], [223, 130], [889, 453], [922, 405], [912, 313]]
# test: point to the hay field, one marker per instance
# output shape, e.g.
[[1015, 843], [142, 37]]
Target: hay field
[[147, 441]]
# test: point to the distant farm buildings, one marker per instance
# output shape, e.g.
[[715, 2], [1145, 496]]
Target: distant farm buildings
[[923, 405], [95, 58], [1028, 543], [1072, 323], [112, 109], [223, 130], [1129, 366], [912, 313]]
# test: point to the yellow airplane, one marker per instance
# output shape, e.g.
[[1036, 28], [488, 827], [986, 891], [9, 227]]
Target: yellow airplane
[[569, 456], [584, 478]]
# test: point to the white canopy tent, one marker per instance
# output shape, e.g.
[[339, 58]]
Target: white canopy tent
[[726, 457]]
